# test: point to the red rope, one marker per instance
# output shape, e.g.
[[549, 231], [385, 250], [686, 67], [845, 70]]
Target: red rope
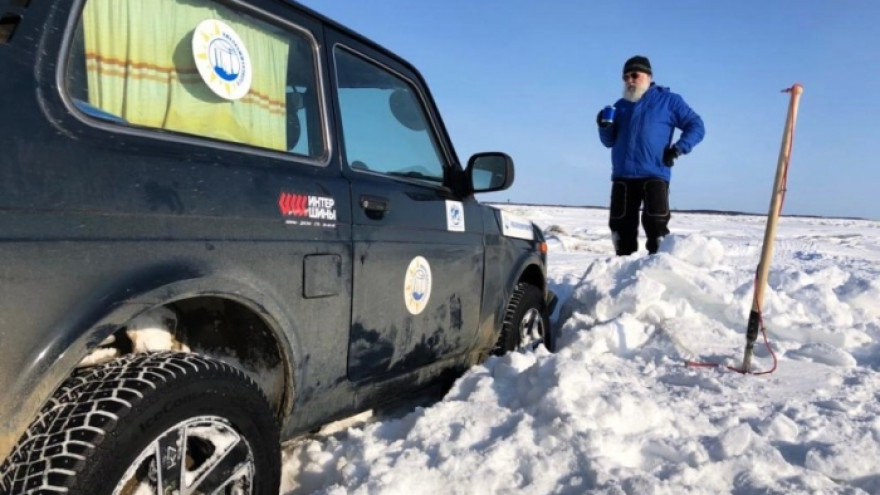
[[770, 349], [698, 364]]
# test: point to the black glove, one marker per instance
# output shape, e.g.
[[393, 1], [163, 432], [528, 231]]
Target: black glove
[[670, 154], [599, 121]]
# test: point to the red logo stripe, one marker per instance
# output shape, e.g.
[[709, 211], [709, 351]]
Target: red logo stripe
[[293, 204]]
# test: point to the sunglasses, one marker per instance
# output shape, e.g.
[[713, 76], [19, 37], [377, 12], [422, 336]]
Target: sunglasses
[[632, 75]]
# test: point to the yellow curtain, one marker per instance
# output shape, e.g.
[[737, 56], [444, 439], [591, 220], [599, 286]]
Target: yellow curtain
[[140, 66]]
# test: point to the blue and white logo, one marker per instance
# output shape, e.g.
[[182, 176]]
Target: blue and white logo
[[222, 59], [225, 59], [417, 285], [455, 216]]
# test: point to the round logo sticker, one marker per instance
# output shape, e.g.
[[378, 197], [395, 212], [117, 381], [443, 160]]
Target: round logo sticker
[[417, 285], [222, 59]]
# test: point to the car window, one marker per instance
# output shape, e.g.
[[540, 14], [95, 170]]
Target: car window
[[200, 68], [384, 125]]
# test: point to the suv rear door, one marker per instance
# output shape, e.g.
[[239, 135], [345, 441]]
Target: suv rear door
[[418, 247]]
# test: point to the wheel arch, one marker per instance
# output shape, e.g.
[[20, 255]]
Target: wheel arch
[[530, 269], [532, 274], [96, 321]]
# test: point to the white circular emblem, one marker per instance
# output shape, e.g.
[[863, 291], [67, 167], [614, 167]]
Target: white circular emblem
[[417, 285], [222, 59]]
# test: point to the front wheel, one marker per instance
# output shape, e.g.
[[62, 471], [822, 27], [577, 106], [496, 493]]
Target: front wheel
[[150, 424], [525, 324]]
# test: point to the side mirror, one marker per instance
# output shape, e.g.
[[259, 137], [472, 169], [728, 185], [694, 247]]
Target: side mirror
[[490, 171]]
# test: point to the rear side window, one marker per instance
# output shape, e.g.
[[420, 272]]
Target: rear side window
[[200, 68]]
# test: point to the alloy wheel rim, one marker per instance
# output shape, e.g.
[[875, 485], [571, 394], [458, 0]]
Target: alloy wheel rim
[[531, 329], [199, 455]]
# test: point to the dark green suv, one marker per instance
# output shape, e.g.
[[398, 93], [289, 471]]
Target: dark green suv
[[224, 223]]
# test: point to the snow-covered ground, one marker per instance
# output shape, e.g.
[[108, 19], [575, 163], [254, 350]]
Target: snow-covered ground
[[617, 410]]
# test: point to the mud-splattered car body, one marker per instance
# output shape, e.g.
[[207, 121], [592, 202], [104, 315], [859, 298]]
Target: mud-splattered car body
[[247, 181]]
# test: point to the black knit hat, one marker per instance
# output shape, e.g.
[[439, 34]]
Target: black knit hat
[[637, 64]]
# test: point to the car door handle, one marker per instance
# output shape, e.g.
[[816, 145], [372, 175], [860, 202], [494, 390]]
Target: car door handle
[[375, 206]]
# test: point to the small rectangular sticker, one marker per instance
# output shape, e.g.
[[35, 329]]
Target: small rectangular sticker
[[514, 226], [454, 216], [306, 210]]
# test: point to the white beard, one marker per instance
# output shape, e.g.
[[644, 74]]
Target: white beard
[[635, 92]]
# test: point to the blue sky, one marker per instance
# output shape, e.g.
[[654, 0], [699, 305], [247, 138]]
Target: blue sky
[[527, 77]]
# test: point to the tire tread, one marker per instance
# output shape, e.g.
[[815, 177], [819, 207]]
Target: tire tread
[[87, 406]]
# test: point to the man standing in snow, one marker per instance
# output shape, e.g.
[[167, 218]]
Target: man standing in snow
[[639, 132]]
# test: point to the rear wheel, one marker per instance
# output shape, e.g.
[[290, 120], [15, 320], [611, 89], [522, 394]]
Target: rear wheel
[[150, 423], [525, 324]]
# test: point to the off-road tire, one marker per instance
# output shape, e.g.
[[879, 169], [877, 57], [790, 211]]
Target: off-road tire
[[101, 419], [525, 303]]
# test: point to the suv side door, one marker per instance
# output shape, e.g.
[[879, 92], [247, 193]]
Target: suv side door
[[418, 246]]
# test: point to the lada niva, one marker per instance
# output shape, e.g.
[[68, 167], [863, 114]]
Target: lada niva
[[224, 223]]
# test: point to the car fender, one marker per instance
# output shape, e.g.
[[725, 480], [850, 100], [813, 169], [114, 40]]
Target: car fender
[[95, 318]]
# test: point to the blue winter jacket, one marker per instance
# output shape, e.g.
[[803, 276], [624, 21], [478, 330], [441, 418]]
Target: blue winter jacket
[[642, 131]]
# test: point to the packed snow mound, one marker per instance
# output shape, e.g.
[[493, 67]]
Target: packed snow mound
[[698, 299], [695, 249], [674, 283]]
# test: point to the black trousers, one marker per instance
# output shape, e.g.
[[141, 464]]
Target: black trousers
[[627, 197]]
